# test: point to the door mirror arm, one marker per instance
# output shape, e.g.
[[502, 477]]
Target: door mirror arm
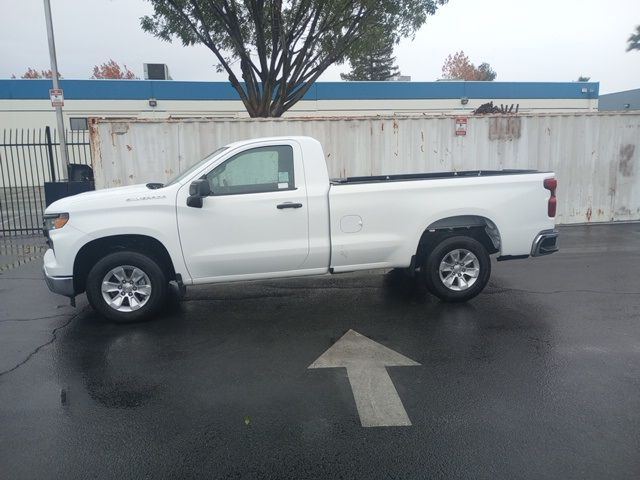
[[197, 191]]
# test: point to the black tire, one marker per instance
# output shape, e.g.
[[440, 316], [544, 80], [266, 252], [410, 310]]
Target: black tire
[[156, 277], [456, 292]]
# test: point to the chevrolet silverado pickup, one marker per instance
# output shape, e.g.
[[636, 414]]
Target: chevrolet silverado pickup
[[266, 208]]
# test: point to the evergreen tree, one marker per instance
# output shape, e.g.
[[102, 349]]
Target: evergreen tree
[[633, 42], [372, 57]]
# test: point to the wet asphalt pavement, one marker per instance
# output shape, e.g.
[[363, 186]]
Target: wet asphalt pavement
[[538, 377]]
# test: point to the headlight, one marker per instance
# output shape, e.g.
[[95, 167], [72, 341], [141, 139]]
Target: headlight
[[54, 221]]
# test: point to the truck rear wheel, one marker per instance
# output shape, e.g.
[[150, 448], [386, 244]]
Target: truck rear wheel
[[126, 287], [457, 269]]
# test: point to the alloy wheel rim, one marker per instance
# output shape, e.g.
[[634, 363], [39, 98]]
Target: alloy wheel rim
[[459, 269], [126, 288]]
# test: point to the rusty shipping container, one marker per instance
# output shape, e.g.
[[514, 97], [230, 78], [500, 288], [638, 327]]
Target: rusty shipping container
[[594, 155]]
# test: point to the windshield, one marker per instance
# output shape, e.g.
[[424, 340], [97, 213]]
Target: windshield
[[181, 176]]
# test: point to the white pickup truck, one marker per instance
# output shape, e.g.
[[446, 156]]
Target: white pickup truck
[[265, 208]]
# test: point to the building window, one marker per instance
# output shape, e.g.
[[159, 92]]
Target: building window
[[79, 124]]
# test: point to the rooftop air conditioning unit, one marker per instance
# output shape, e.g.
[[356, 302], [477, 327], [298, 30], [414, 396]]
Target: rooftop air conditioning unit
[[156, 71]]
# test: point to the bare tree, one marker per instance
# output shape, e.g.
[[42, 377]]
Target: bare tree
[[281, 47]]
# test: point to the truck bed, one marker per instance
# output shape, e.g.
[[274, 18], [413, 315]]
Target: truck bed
[[428, 176]]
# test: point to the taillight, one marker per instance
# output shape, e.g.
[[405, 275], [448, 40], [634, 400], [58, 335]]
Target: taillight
[[551, 184]]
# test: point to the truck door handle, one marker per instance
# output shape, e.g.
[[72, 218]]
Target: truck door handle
[[289, 205]]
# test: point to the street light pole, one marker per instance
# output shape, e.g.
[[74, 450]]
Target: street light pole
[[56, 84]]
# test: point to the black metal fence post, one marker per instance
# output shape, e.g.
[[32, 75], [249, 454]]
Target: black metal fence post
[[52, 168]]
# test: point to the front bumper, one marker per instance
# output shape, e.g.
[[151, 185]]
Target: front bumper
[[545, 243], [60, 285]]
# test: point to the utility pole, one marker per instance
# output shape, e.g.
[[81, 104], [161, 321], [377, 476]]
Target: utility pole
[[56, 84]]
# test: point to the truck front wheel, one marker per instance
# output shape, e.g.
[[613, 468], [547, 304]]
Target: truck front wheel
[[126, 286], [457, 269]]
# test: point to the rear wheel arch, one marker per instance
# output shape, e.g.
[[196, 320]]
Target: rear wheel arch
[[97, 249], [477, 227]]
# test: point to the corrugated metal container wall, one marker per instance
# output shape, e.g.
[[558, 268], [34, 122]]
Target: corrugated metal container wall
[[595, 156]]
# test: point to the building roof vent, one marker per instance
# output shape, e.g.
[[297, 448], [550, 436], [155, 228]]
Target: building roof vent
[[156, 71], [399, 78]]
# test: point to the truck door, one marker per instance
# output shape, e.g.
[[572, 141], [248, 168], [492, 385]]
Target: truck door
[[256, 219]]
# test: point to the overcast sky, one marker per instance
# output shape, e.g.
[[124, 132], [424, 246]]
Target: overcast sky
[[545, 40]]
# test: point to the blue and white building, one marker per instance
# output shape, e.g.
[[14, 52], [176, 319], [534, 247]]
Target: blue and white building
[[26, 104]]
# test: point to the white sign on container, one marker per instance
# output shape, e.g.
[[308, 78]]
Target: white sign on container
[[461, 126]]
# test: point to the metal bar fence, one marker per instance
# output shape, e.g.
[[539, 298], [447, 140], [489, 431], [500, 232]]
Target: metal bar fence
[[28, 159]]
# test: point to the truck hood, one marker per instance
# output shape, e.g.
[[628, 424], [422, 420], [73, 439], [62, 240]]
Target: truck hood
[[83, 201]]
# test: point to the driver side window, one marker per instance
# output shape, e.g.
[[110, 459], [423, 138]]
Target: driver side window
[[262, 169]]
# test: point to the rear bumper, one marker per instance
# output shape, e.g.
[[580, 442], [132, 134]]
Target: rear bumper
[[545, 243], [59, 285]]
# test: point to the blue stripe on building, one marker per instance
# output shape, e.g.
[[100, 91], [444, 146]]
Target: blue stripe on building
[[176, 90]]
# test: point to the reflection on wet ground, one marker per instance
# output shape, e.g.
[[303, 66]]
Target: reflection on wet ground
[[18, 251], [535, 378]]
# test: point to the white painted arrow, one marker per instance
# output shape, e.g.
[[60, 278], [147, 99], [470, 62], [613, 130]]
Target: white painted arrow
[[376, 397]]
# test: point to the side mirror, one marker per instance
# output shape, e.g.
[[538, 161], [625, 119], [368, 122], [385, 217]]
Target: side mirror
[[197, 191], [200, 188]]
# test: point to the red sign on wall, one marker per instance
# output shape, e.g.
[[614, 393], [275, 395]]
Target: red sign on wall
[[461, 126]]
